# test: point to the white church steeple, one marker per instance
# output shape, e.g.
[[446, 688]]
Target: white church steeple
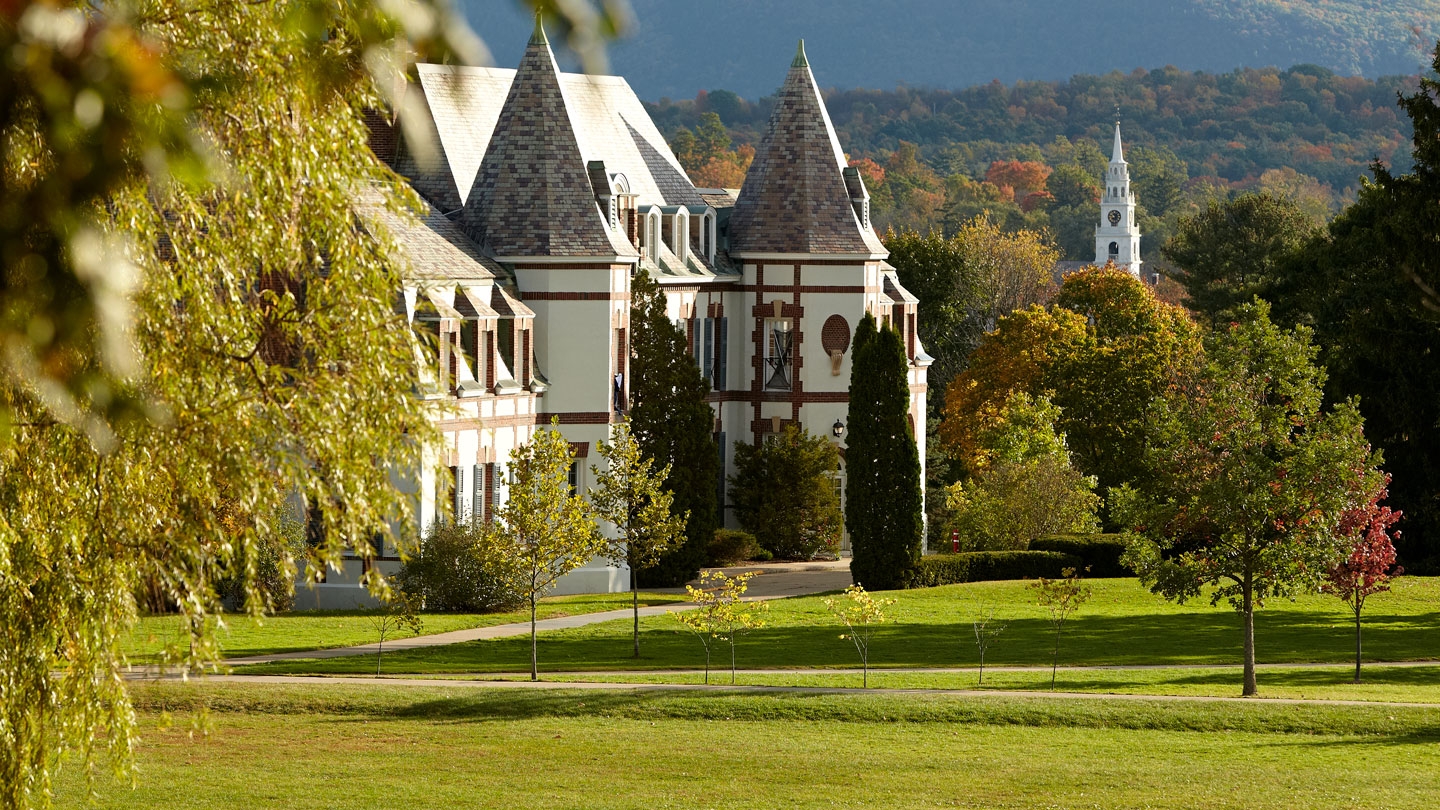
[[1117, 237]]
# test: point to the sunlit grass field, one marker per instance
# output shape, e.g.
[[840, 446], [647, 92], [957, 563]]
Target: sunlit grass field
[[316, 630], [324, 745], [1122, 624]]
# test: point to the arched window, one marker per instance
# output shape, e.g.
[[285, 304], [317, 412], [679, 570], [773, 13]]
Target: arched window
[[1114, 248]]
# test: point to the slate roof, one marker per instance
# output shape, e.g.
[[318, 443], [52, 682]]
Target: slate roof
[[794, 199], [461, 106], [430, 246], [532, 195]]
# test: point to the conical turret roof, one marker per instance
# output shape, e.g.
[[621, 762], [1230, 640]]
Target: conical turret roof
[[1117, 154], [794, 199], [532, 195]]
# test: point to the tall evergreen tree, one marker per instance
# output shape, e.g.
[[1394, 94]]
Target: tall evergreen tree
[[673, 425], [884, 503]]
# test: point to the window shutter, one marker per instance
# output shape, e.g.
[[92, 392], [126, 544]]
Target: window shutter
[[477, 493], [709, 356], [722, 354], [461, 512]]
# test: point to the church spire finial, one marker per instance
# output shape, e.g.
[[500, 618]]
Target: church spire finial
[[800, 60], [538, 37]]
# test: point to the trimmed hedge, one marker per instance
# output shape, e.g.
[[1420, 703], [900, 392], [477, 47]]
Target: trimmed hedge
[[986, 566], [731, 547], [1101, 552]]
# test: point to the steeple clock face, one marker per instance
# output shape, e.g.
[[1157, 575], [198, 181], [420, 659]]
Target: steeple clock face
[[1114, 218]]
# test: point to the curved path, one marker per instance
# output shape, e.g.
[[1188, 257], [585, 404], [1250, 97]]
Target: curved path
[[775, 581]]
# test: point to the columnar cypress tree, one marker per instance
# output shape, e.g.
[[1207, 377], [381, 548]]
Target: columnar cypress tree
[[673, 425], [883, 504]]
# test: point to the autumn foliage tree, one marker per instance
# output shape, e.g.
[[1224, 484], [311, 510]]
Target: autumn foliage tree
[[1370, 563], [1248, 478]]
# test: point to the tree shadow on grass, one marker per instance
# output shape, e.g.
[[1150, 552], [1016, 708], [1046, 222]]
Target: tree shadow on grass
[[1201, 637]]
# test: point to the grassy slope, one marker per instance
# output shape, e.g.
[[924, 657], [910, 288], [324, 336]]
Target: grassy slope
[[326, 629], [321, 746], [1122, 624]]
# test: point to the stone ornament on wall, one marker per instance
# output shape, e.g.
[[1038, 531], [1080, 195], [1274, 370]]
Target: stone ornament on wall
[[835, 339]]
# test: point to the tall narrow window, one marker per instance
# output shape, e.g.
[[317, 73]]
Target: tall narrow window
[[779, 361]]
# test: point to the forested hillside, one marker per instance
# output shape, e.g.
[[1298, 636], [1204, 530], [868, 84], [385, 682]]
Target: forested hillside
[[1031, 152], [676, 48]]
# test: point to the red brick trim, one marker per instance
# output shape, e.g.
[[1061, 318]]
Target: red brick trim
[[580, 449], [577, 417], [810, 288]]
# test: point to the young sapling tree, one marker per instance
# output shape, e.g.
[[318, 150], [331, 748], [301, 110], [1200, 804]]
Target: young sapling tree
[[1369, 566], [542, 531], [986, 629], [722, 615], [861, 613], [630, 496], [398, 612], [1060, 598]]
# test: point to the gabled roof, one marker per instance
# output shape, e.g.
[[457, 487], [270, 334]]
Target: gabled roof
[[532, 195], [794, 199]]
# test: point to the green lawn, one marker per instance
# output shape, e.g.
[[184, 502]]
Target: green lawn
[[1407, 684], [1123, 624], [323, 745], [316, 630]]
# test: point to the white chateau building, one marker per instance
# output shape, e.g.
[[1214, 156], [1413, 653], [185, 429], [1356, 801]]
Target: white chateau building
[[1117, 237], [551, 191]]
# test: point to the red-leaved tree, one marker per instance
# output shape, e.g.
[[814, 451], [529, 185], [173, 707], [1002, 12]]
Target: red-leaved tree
[[1371, 562]]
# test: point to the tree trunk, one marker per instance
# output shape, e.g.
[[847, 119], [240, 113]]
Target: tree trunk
[[707, 665], [865, 669], [1357, 643], [635, 603], [1055, 658], [1247, 609], [732, 659], [534, 657], [379, 651]]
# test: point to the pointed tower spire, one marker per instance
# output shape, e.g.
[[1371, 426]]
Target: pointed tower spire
[[795, 198], [532, 194], [1117, 154]]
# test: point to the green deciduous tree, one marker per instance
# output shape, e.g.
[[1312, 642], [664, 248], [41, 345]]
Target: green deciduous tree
[[1368, 287], [453, 571], [1248, 476], [1234, 250], [542, 531], [1025, 486], [784, 493], [673, 425], [1103, 352], [629, 495], [884, 504]]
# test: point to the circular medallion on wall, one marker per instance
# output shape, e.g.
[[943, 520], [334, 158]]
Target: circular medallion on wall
[[835, 335]]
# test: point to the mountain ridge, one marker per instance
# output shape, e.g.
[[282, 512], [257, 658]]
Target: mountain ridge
[[676, 49]]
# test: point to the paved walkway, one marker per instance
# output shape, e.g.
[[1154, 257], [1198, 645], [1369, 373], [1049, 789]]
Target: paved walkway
[[775, 581], [408, 683]]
